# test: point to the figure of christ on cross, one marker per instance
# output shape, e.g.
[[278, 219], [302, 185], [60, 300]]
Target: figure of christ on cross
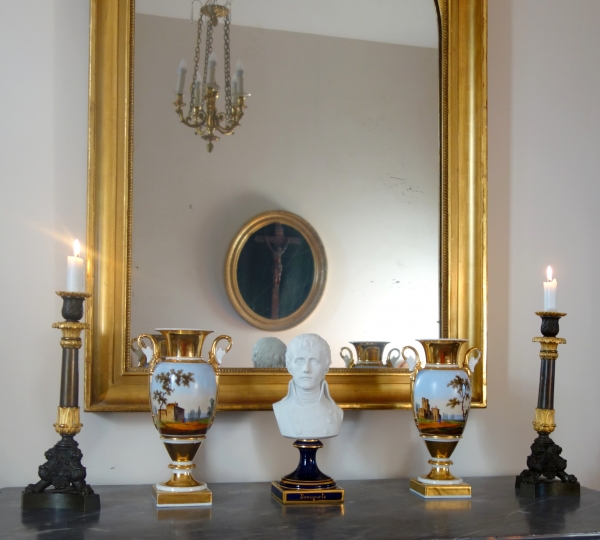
[[277, 244]]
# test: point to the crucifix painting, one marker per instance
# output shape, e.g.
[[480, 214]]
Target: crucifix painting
[[278, 244], [275, 271]]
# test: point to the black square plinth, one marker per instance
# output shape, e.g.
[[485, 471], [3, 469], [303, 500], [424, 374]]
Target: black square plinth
[[61, 501], [547, 488]]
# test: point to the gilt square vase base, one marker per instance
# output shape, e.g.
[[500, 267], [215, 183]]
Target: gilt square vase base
[[438, 491], [307, 496], [548, 488], [167, 499], [61, 500]]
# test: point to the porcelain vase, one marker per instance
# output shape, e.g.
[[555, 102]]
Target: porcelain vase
[[441, 393], [184, 391]]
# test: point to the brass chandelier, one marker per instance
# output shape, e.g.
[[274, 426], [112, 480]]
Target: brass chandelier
[[202, 114]]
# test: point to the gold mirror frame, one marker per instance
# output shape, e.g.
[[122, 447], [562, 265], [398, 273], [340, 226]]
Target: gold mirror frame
[[231, 269], [463, 237]]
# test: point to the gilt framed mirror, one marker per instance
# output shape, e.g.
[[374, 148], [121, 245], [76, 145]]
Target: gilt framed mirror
[[128, 285]]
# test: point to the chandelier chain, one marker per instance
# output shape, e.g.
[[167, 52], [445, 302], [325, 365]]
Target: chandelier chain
[[209, 43], [227, 70], [197, 59]]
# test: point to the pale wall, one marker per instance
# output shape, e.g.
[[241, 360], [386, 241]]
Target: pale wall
[[544, 129]]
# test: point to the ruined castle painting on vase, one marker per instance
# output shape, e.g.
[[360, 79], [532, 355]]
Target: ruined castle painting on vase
[[441, 401], [184, 397]]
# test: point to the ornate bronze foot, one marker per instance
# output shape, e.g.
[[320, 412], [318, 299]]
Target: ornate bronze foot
[[63, 469], [545, 460]]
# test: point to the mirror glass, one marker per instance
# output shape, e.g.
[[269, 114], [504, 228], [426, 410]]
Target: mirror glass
[[264, 287], [342, 128]]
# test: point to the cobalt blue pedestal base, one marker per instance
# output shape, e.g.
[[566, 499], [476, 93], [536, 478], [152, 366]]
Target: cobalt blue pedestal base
[[307, 484]]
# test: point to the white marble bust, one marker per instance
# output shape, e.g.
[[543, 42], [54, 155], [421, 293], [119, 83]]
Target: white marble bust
[[269, 352], [308, 412]]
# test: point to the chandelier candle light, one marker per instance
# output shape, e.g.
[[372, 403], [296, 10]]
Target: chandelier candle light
[[545, 474], [202, 114]]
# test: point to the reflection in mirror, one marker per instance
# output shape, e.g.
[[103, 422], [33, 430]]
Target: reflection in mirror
[[269, 352], [265, 287], [342, 129], [275, 270]]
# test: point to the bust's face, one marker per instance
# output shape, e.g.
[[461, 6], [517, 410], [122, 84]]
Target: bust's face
[[308, 369]]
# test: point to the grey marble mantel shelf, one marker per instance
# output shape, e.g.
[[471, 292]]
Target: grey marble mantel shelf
[[373, 510]]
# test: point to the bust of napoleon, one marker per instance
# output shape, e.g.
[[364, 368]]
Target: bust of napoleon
[[308, 412]]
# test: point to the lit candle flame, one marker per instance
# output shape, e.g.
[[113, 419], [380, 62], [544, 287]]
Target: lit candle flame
[[77, 248], [549, 273]]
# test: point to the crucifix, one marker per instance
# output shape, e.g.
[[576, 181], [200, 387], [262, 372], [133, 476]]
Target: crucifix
[[277, 244]]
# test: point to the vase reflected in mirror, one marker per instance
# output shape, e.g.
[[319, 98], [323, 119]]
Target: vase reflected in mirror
[[184, 391], [138, 358], [369, 354]]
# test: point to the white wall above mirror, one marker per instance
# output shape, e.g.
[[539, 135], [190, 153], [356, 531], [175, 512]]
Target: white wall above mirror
[[403, 22], [342, 129]]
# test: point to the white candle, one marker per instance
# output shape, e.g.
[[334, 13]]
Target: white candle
[[181, 77], [550, 292], [234, 87], [198, 94], [75, 276], [239, 74], [212, 65]]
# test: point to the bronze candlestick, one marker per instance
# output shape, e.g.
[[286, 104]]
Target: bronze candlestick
[[545, 464], [64, 470]]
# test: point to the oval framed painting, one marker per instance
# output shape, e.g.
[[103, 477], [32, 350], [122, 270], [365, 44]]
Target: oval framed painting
[[275, 270]]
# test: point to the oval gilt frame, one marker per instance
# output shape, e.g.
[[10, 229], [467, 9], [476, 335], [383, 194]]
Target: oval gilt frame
[[320, 269]]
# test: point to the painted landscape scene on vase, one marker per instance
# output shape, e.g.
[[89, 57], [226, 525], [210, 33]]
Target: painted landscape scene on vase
[[441, 402], [184, 398]]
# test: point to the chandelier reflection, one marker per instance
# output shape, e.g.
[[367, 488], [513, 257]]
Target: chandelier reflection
[[202, 114]]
